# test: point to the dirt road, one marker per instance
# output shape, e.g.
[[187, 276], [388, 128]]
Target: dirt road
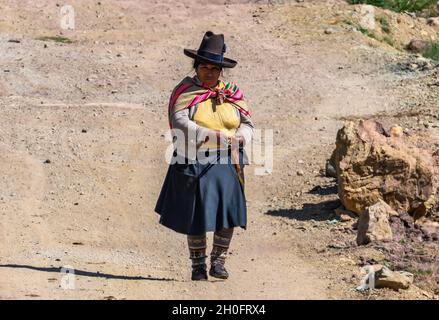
[[82, 141]]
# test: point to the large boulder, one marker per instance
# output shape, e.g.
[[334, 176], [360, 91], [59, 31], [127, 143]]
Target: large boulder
[[375, 161]]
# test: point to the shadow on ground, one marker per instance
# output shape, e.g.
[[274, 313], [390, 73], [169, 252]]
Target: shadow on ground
[[322, 211], [83, 273]]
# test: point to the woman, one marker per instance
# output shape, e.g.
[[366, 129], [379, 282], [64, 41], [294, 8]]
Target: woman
[[204, 186]]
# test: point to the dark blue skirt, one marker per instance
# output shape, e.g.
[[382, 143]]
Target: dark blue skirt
[[204, 194]]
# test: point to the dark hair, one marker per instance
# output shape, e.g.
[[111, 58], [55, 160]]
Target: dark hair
[[198, 62]]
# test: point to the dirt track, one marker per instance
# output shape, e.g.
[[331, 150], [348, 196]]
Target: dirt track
[[96, 109]]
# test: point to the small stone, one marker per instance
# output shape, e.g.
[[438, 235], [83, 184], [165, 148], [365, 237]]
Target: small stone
[[413, 66], [345, 215], [434, 21], [374, 225], [417, 45], [385, 278], [330, 171], [367, 13], [330, 31], [396, 131], [47, 161], [300, 173]]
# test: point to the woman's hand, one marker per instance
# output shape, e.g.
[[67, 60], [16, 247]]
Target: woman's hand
[[222, 139]]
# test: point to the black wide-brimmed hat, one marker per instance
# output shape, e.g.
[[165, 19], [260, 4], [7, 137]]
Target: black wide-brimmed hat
[[211, 50]]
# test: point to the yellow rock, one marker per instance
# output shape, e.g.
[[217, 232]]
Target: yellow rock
[[396, 131]]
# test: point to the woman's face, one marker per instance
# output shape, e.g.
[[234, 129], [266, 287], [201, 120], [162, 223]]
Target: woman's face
[[208, 74]]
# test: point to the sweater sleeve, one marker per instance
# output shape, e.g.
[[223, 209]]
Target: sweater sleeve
[[180, 120], [245, 129]]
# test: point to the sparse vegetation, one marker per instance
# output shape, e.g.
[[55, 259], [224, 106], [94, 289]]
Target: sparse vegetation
[[372, 35], [389, 41], [348, 22], [426, 278], [432, 12], [432, 51], [55, 38], [384, 24], [388, 264], [367, 32], [421, 272], [398, 5]]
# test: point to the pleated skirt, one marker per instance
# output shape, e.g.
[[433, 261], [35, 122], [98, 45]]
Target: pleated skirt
[[204, 194]]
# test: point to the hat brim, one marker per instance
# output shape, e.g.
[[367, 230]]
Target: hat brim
[[227, 63]]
